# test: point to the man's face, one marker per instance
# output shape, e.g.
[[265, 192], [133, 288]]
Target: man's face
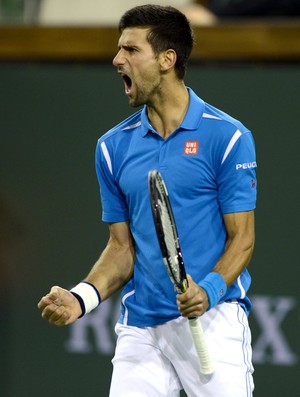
[[138, 66]]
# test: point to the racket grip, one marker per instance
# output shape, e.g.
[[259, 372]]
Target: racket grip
[[206, 363]]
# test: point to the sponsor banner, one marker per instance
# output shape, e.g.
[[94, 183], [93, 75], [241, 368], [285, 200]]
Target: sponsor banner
[[271, 345]]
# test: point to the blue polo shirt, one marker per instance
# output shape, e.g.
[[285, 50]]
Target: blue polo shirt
[[209, 167]]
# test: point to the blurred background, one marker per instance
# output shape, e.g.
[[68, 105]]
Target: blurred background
[[58, 94], [107, 12]]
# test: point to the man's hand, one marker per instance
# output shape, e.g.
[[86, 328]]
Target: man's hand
[[194, 301], [59, 307]]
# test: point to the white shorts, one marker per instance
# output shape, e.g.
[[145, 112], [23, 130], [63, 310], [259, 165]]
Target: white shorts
[[160, 361]]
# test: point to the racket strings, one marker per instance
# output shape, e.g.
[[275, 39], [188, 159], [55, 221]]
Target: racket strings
[[170, 237]]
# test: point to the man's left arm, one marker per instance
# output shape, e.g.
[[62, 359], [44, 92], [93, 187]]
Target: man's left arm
[[237, 254], [239, 247]]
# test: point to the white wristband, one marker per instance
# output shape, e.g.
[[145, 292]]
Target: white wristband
[[87, 294]]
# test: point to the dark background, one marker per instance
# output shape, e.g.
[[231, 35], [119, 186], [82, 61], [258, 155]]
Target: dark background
[[51, 232]]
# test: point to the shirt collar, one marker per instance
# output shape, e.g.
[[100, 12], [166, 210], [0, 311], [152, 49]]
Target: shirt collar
[[191, 120], [146, 126]]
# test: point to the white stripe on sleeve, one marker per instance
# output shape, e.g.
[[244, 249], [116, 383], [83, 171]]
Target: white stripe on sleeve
[[243, 292], [210, 116], [106, 156], [124, 303], [234, 138]]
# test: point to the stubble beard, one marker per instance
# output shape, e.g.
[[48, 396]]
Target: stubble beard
[[144, 96]]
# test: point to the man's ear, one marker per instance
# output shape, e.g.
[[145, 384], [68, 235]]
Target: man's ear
[[167, 59]]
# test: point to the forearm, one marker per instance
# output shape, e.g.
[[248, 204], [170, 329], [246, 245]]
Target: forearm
[[113, 269], [236, 258], [237, 254], [239, 246], [115, 265], [212, 288]]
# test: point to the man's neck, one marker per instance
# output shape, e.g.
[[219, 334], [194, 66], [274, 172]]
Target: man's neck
[[167, 112]]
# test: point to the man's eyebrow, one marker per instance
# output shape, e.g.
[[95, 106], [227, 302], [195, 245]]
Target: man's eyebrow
[[128, 46]]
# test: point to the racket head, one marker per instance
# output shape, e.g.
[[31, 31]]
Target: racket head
[[169, 244], [166, 231]]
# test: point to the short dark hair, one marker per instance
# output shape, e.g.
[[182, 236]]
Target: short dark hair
[[169, 29]]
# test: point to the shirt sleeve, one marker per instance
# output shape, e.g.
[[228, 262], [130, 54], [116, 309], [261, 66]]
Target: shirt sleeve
[[237, 184], [114, 206]]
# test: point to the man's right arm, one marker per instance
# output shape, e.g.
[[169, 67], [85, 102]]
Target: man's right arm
[[110, 273]]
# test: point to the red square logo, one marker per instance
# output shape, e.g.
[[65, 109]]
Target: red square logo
[[191, 147]]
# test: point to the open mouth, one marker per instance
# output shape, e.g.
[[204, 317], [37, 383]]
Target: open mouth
[[128, 83]]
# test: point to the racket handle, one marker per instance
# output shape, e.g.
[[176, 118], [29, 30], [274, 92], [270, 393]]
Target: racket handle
[[206, 363]]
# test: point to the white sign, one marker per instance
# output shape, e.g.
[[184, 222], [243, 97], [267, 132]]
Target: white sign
[[271, 346]]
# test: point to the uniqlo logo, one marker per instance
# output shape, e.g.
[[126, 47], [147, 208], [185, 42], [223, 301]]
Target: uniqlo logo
[[191, 147]]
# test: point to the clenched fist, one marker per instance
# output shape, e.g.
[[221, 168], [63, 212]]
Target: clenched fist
[[59, 307]]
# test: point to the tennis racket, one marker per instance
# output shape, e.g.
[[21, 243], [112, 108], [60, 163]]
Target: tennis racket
[[172, 256]]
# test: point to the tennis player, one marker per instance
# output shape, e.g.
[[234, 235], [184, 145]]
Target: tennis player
[[207, 160]]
